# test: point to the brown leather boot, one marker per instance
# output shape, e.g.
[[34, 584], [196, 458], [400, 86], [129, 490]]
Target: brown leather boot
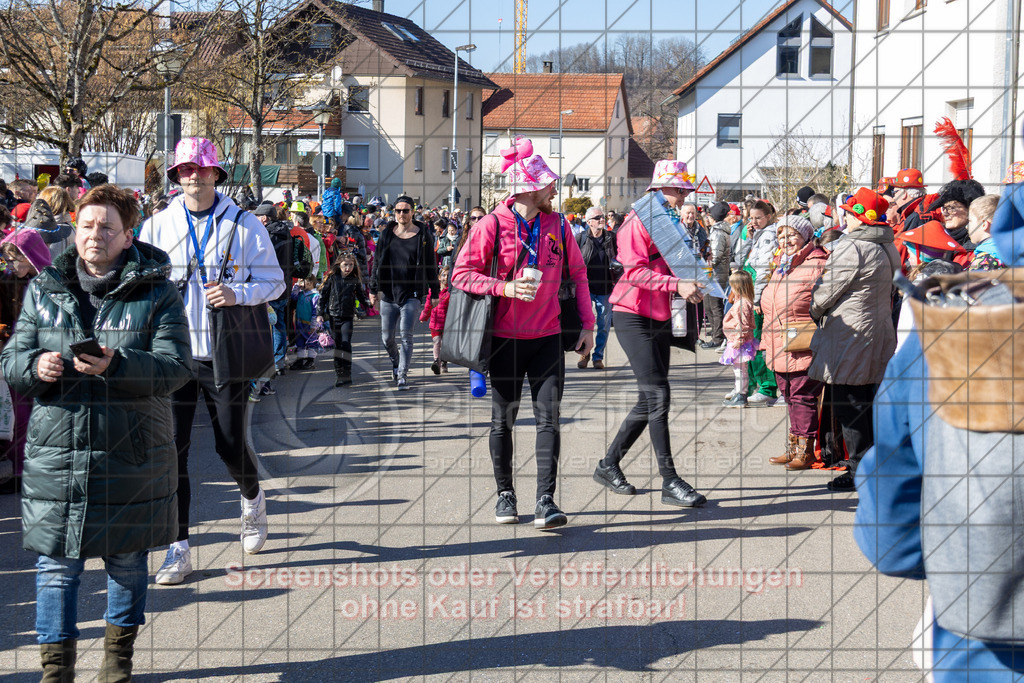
[[58, 661], [788, 455], [804, 457], [118, 646]]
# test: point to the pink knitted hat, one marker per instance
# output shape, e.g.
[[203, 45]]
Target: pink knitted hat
[[526, 171], [198, 151]]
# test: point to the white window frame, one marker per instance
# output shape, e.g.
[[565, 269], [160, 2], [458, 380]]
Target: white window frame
[[350, 148], [555, 146], [729, 144], [491, 145]]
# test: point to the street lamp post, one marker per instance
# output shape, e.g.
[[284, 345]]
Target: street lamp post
[[167, 65], [561, 153], [322, 118], [455, 121]]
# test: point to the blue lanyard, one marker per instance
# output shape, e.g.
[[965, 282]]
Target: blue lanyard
[[534, 233], [200, 250]]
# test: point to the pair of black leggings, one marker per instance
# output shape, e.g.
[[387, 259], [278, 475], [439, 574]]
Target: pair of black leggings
[[851, 405], [647, 344], [227, 408], [543, 362], [341, 330]]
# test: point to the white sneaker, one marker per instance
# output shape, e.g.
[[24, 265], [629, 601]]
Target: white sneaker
[[758, 400], [176, 566], [731, 394], [254, 524]]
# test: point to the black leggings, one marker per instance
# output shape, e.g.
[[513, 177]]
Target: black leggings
[[227, 412], [851, 405], [512, 360], [647, 344], [341, 330]]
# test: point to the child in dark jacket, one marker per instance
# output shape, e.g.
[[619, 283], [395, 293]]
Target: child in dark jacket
[[305, 296], [437, 316], [341, 290]]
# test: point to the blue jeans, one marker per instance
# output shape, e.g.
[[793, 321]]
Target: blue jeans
[[280, 332], [403, 319], [57, 580], [604, 323]]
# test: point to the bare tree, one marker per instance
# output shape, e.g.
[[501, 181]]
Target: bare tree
[[68, 65], [651, 71], [800, 158], [264, 84]]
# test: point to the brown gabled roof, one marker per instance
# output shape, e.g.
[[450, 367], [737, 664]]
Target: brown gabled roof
[[745, 38], [218, 44], [424, 57], [532, 101]]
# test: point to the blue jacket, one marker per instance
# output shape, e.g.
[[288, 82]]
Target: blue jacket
[[887, 526], [331, 204]]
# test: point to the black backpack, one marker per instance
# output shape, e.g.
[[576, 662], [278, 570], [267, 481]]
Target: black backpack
[[293, 255]]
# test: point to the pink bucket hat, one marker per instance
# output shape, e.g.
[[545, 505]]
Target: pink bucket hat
[[198, 151], [526, 171], [671, 173]]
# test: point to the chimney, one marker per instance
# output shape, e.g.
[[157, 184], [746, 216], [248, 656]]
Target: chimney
[[378, 5], [548, 67]]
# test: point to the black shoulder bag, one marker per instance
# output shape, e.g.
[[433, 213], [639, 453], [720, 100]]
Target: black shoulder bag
[[469, 323], [569, 314], [242, 343]]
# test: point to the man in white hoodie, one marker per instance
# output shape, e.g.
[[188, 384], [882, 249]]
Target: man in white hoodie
[[194, 230]]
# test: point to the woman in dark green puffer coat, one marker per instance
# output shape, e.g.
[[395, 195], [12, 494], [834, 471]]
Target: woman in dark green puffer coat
[[100, 476]]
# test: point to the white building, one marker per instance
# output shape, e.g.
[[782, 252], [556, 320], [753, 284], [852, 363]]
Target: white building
[[592, 142], [918, 61], [786, 79]]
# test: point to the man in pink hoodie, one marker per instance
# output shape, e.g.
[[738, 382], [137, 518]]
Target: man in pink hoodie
[[527, 331]]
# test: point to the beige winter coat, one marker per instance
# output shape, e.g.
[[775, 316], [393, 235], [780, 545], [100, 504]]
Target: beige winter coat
[[853, 303]]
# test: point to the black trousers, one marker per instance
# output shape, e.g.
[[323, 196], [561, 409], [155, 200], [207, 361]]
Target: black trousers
[[647, 344], [851, 406], [715, 308], [341, 330], [227, 412], [543, 362]]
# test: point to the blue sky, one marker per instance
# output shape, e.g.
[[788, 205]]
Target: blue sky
[[550, 23]]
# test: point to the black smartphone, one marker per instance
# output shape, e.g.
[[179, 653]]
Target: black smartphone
[[87, 347]]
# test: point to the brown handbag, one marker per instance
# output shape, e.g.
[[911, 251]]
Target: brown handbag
[[975, 362], [796, 337]]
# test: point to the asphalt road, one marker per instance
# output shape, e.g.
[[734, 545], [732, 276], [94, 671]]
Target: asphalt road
[[384, 561]]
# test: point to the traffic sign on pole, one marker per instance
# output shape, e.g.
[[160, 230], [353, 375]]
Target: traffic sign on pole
[[323, 164], [705, 187]]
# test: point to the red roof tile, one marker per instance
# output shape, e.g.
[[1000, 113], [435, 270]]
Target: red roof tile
[[295, 120], [745, 38], [532, 101]]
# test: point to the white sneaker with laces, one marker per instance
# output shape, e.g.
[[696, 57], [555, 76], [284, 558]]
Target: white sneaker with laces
[[176, 566], [254, 524], [730, 394], [758, 399]]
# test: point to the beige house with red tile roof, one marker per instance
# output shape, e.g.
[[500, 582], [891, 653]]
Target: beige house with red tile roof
[[593, 142]]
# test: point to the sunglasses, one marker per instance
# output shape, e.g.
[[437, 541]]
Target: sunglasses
[[403, 210], [475, 218]]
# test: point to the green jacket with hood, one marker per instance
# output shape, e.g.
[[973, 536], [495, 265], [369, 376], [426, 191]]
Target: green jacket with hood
[[100, 475]]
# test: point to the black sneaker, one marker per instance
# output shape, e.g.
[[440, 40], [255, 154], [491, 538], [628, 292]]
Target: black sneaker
[[842, 483], [613, 478], [680, 494], [505, 511], [394, 373], [547, 515], [435, 367], [267, 390]]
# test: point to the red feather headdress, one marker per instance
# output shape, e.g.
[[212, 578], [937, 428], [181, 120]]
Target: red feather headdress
[[956, 150]]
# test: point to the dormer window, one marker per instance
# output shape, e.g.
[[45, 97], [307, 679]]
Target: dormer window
[[321, 36], [788, 63], [821, 50], [400, 32]]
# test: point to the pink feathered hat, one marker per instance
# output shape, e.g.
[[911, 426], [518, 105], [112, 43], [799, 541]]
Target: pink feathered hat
[[526, 171], [671, 173], [198, 151]]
